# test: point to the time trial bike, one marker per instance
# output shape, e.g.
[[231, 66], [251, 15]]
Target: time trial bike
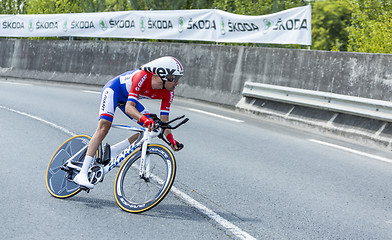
[[144, 178]]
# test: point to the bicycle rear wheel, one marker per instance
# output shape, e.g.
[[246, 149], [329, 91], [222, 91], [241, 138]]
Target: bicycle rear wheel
[[57, 180], [135, 194]]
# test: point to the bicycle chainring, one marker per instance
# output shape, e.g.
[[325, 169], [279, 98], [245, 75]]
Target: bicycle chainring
[[95, 174]]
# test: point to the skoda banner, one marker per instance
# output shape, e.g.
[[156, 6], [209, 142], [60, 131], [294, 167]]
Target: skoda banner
[[292, 26]]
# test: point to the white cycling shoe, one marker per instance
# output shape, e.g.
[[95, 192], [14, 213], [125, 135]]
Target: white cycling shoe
[[82, 180]]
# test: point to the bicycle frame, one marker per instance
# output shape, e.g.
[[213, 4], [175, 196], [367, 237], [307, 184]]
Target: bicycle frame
[[143, 142], [144, 168]]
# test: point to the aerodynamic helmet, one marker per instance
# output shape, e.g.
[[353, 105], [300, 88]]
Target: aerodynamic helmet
[[167, 68]]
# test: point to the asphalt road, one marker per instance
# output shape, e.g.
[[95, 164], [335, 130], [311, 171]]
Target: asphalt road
[[243, 177]]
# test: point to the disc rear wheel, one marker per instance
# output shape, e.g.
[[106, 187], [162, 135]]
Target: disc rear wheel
[[57, 178]]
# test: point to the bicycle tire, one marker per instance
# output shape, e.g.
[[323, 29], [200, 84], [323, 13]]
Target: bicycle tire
[[134, 194], [57, 181]]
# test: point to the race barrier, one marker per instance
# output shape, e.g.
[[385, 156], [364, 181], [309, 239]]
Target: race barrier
[[292, 26], [364, 107]]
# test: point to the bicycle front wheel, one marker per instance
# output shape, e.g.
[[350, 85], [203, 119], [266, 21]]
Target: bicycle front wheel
[[136, 194]]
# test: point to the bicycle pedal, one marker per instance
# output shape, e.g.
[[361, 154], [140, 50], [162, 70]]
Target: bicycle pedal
[[77, 163], [65, 168], [85, 189]]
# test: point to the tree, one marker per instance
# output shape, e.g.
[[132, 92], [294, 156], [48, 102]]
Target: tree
[[158, 4], [117, 5], [371, 26], [330, 19], [53, 6], [12, 6], [200, 4], [75, 6], [256, 7], [93, 5]]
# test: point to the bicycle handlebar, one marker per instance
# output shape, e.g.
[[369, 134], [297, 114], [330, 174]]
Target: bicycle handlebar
[[181, 123], [160, 126], [166, 125]]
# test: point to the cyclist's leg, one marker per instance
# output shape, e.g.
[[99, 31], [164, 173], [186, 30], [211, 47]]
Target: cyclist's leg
[[100, 133], [106, 114]]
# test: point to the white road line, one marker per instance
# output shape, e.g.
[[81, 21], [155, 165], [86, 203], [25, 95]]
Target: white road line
[[352, 151], [94, 92], [192, 202], [214, 216], [39, 119], [215, 115], [17, 83]]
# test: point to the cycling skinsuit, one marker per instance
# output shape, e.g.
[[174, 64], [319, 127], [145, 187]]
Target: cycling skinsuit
[[132, 86]]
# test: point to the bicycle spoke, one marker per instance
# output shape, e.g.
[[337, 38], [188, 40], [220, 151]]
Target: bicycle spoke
[[138, 193]]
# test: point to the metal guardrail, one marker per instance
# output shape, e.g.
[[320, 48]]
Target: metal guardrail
[[364, 107]]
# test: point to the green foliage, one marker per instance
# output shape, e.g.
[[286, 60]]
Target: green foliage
[[117, 5], [256, 7], [200, 4], [330, 20], [75, 6], [158, 4], [371, 26], [93, 5], [12, 6], [52, 6], [170, 4]]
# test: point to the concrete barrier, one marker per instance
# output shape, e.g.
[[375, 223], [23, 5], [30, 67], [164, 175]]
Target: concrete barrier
[[209, 73], [213, 73]]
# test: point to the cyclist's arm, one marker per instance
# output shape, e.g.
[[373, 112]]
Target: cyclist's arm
[[165, 118], [130, 110]]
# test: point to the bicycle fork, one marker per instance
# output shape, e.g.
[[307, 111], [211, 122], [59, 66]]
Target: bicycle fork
[[144, 168]]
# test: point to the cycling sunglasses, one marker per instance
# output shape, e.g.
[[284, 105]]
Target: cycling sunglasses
[[173, 78]]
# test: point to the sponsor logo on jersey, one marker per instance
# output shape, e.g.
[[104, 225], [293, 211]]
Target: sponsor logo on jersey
[[140, 84]]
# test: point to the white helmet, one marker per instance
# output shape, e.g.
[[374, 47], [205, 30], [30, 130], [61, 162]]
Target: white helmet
[[168, 68]]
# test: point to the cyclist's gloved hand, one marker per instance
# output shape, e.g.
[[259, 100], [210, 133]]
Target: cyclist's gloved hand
[[147, 122], [174, 144]]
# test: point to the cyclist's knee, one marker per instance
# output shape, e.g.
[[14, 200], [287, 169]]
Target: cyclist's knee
[[103, 126], [133, 138]]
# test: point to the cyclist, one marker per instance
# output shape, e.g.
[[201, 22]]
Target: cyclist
[[154, 80]]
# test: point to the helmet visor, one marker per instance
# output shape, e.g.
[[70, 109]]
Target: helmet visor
[[173, 78]]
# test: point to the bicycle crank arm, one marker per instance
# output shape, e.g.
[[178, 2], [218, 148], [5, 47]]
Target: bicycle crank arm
[[70, 165]]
